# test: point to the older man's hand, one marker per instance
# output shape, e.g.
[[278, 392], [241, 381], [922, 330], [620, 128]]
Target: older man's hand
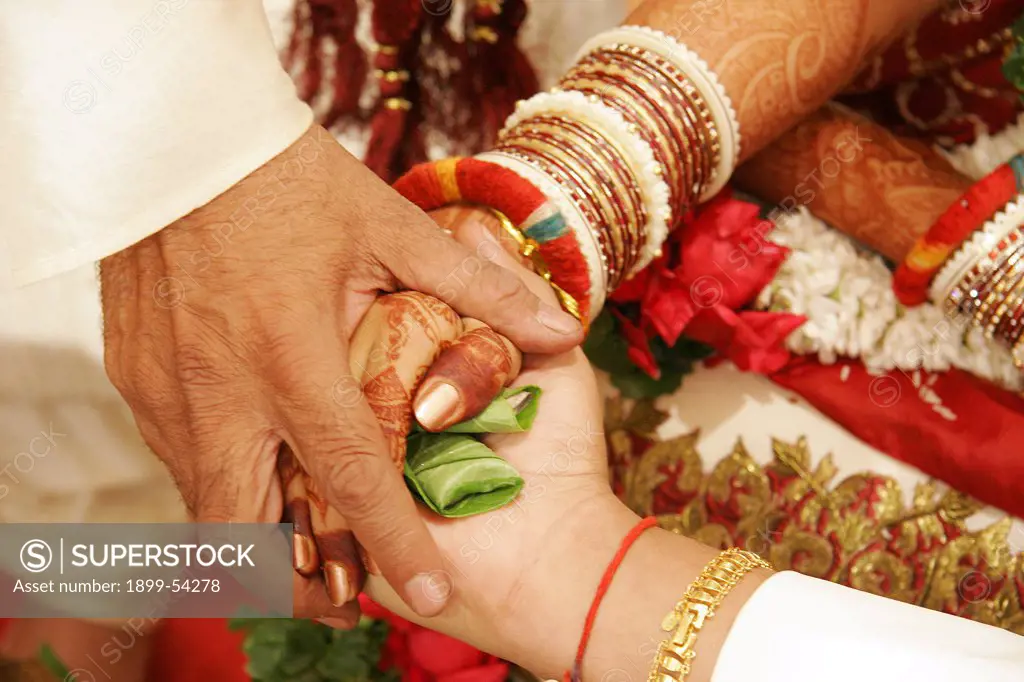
[[227, 333]]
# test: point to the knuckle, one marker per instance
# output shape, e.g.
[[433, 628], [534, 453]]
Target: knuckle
[[195, 364], [506, 290], [354, 473]]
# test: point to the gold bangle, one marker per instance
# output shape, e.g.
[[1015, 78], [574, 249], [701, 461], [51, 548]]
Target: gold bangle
[[530, 249], [705, 594]]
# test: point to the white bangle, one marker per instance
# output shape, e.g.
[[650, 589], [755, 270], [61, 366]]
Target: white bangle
[[973, 250], [639, 155], [704, 79]]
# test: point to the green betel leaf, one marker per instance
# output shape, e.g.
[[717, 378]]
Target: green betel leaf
[[52, 662], [456, 475], [501, 416]]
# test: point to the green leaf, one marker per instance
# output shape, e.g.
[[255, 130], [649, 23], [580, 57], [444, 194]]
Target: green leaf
[[637, 385], [456, 475], [1013, 66], [290, 650], [500, 416], [605, 347], [48, 657], [607, 350]]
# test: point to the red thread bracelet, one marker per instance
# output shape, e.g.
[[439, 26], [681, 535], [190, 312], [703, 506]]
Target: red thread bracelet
[[575, 675], [966, 215]]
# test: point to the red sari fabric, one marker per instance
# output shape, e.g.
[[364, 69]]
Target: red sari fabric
[[953, 426]]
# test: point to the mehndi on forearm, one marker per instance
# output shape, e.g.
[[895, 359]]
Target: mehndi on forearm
[[882, 190], [780, 60]]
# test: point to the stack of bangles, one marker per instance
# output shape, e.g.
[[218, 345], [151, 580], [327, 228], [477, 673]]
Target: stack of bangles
[[971, 261], [674, 658], [594, 173]]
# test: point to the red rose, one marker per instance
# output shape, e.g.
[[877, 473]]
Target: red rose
[[717, 263]]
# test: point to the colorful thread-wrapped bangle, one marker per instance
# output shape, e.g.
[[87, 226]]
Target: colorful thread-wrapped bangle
[[608, 124], [983, 282], [966, 215], [442, 183]]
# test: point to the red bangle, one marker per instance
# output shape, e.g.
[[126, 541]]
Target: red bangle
[[442, 183], [967, 214], [575, 675]]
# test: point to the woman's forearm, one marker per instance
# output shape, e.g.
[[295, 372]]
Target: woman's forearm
[[656, 574], [779, 60], [881, 190]]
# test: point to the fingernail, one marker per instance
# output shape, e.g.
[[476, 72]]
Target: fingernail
[[339, 586], [436, 406], [302, 552], [558, 320], [427, 593], [368, 563]]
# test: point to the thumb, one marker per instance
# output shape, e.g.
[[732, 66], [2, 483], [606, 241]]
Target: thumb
[[468, 280]]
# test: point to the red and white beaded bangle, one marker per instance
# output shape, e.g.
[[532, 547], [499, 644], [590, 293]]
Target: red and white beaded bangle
[[704, 79]]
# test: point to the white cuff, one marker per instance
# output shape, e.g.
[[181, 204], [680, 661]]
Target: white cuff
[[801, 629], [117, 117]]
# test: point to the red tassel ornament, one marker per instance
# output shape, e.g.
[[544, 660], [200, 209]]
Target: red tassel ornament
[[315, 24], [499, 73], [396, 141]]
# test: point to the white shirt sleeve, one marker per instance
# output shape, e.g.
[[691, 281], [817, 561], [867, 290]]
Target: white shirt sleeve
[[801, 629], [117, 117]]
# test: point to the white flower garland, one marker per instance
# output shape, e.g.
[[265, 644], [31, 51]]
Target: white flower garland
[[846, 294]]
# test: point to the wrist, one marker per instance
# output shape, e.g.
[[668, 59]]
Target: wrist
[[627, 631]]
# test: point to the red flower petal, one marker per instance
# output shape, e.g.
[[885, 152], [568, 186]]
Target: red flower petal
[[415, 674], [633, 289], [668, 306], [639, 349], [726, 249], [439, 654], [752, 340]]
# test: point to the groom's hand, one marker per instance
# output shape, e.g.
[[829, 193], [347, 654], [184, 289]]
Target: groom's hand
[[227, 333]]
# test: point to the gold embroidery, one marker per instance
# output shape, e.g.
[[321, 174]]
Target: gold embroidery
[[857, 531]]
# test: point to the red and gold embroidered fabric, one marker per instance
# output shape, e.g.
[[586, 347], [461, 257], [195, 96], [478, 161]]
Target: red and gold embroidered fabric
[[857, 531]]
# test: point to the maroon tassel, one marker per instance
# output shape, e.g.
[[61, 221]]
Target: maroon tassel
[[350, 64], [303, 51], [502, 74], [396, 141], [446, 86], [314, 23]]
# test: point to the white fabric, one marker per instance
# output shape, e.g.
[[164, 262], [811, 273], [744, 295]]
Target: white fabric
[[121, 116], [801, 629]]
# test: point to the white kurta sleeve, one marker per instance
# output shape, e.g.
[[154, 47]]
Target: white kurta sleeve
[[800, 629], [118, 117]]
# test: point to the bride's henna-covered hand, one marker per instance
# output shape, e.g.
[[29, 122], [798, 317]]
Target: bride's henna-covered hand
[[882, 190], [404, 339]]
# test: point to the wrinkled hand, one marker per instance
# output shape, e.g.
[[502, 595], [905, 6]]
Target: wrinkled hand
[[226, 333]]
